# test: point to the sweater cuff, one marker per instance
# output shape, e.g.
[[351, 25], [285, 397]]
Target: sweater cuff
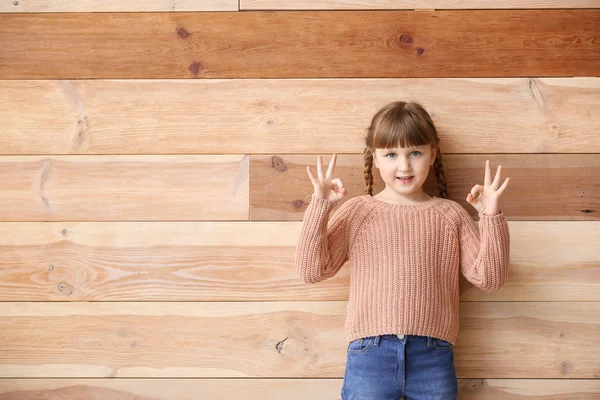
[[322, 203], [493, 219]]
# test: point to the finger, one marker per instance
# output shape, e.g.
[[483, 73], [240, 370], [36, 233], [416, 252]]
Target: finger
[[319, 168], [331, 166], [504, 185], [338, 183], [469, 197], [476, 191], [342, 192], [310, 175], [486, 179], [337, 188], [497, 177]]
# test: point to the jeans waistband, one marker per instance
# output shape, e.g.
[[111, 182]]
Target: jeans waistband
[[401, 338]]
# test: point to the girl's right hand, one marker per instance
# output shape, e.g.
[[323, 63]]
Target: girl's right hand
[[325, 187]]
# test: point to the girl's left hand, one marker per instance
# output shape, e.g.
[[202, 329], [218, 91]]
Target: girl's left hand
[[485, 198]]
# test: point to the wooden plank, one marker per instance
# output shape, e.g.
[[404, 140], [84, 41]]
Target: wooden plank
[[410, 4], [208, 261], [46, 6], [40, 6], [286, 340], [250, 261], [272, 389], [547, 258], [542, 187], [479, 115], [123, 188], [309, 44]]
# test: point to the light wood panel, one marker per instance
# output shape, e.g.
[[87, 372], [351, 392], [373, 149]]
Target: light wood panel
[[309, 44], [273, 389], [277, 339], [410, 4], [524, 389], [240, 261], [123, 188], [542, 186], [40, 6], [504, 115], [43, 6]]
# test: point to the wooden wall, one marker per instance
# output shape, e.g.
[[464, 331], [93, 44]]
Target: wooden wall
[[152, 187]]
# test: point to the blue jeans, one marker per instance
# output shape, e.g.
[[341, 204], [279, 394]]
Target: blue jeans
[[394, 367]]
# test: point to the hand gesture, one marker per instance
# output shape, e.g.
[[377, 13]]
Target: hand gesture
[[325, 187], [485, 198]]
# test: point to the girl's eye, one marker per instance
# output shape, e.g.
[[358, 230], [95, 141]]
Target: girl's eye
[[418, 153]]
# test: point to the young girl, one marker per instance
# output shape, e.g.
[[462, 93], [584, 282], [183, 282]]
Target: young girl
[[407, 250]]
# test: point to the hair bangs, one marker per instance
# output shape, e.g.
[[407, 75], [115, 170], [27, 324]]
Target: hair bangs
[[401, 132]]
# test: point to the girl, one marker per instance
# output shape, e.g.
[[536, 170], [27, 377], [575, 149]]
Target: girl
[[407, 251]]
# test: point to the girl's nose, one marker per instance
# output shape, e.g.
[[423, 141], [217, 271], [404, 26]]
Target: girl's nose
[[404, 167]]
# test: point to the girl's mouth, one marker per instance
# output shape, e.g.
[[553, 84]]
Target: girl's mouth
[[405, 180]]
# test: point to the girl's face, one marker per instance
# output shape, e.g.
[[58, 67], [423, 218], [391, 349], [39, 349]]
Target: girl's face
[[402, 162]]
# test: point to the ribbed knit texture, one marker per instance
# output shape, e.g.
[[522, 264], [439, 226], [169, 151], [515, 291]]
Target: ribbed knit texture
[[405, 261]]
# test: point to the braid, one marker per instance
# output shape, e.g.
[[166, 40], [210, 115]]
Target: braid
[[368, 171], [439, 175]]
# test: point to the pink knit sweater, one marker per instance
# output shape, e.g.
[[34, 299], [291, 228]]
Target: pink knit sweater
[[405, 261]]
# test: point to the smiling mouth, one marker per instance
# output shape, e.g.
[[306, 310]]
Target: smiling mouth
[[405, 180]]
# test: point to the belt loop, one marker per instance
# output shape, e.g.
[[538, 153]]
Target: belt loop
[[377, 340], [429, 341]]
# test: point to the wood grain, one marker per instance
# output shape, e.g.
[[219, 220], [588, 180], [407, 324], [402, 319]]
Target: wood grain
[[123, 188], [410, 4], [102, 120], [52, 6], [280, 339], [250, 261], [307, 44], [40, 6], [479, 115], [187, 188], [272, 389], [542, 186]]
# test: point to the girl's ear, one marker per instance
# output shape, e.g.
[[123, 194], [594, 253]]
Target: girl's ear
[[375, 161]]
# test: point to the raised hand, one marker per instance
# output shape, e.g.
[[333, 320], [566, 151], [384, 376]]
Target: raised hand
[[325, 187], [485, 198]]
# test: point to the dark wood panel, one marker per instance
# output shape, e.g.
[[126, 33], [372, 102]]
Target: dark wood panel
[[288, 44], [542, 186]]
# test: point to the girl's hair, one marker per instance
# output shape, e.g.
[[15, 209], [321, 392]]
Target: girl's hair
[[402, 124]]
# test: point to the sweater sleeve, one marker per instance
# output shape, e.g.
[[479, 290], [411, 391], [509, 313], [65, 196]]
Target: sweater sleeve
[[322, 250], [484, 254]]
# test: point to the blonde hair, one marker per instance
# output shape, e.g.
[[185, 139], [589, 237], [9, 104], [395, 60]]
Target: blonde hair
[[402, 124]]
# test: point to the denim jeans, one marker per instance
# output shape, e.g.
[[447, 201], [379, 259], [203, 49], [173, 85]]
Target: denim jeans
[[394, 367]]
